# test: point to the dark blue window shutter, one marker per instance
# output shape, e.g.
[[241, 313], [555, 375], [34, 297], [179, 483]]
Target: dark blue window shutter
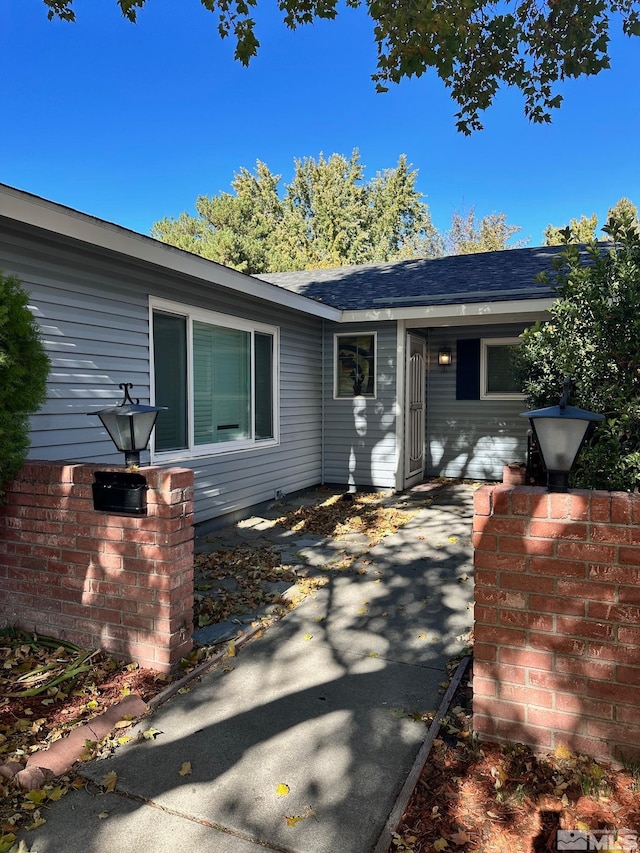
[[468, 369]]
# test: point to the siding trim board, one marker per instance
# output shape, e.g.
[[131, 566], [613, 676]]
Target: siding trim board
[[466, 314]]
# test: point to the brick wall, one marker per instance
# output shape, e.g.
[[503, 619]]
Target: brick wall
[[557, 633], [120, 583]]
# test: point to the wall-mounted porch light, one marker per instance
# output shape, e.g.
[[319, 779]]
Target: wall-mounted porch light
[[129, 425], [444, 357], [560, 431]]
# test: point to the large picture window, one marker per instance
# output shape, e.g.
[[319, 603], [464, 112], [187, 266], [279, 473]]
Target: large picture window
[[217, 376], [355, 365], [497, 376]]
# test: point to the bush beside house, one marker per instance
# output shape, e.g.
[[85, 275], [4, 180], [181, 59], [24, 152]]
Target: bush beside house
[[24, 367], [593, 336]]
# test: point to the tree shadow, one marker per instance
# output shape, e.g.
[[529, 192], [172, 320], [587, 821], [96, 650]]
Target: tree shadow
[[324, 703], [550, 615], [74, 571]]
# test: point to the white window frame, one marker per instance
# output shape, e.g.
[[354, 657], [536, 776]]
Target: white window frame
[[336, 337], [191, 314], [484, 393]]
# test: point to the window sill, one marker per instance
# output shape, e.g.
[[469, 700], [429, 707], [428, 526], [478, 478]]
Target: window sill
[[173, 456], [356, 397]]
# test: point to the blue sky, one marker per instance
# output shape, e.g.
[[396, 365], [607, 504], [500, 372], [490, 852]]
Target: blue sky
[[131, 123]]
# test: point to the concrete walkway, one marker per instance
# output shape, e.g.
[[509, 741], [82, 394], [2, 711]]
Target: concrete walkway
[[305, 744]]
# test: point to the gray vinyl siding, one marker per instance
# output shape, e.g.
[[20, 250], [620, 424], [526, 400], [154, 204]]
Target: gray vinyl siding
[[93, 308], [360, 434], [469, 438], [95, 329]]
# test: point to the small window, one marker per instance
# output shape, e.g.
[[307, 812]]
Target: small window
[[355, 366], [497, 375]]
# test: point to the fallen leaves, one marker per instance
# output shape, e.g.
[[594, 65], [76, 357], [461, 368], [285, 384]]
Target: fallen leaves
[[460, 838], [283, 790], [292, 820], [481, 797], [365, 514], [562, 752], [151, 733], [232, 583], [39, 664], [16, 848], [36, 796], [235, 582], [47, 708], [110, 781]]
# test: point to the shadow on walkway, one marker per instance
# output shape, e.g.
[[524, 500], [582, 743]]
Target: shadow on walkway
[[326, 703]]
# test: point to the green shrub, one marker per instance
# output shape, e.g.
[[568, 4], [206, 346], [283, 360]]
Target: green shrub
[[24, 367], [593, 336]]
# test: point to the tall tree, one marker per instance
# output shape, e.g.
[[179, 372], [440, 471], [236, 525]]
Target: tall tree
[[399, 222], [491, 234], [328, 216], [578, 231], [474, 47], [235, 229], [583, 230], [625, 210]]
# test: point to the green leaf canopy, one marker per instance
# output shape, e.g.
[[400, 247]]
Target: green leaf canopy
[[473, 46]]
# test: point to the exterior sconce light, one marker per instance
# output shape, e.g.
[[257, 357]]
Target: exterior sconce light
[[560, 431], [444, 357], [130, 424]]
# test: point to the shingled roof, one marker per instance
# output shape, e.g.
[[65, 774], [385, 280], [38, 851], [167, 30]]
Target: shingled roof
[[487, 276]]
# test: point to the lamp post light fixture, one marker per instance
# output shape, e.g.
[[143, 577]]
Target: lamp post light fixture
[[560, 432], [129, 425]]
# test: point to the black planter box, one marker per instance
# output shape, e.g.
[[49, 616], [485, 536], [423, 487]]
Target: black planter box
[[120, 493]]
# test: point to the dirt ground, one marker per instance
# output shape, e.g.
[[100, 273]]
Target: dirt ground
[[478, 796]]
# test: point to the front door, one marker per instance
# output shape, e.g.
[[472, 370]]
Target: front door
[[414, 411]]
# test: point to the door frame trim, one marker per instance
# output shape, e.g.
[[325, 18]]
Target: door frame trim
[[410, 480]]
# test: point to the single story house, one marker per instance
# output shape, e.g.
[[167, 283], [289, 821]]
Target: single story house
[[280, 382]]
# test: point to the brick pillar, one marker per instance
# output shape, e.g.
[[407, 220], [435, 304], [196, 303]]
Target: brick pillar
[[120, 583], [557, 616]]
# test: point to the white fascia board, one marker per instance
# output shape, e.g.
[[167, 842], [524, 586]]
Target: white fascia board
[[38, 212], [465, 314]]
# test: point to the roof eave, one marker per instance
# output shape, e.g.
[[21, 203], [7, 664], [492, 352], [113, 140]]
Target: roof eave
[[462, 314], [37, 212]]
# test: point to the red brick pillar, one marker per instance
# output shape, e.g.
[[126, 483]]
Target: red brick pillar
[[557, 619], [121, 583]]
